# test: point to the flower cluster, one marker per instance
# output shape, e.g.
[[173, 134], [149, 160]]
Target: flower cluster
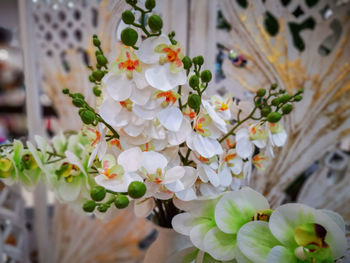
[[158, 142], [240, 225]]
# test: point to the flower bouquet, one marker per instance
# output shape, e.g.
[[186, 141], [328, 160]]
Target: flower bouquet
[[157, 142]]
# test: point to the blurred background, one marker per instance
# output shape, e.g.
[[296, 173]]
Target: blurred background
[[45, 46]]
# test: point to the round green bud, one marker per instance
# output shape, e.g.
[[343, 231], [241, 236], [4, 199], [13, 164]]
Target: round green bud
[[187, 62], [87, 116], [261, 92], [96, 90], [275, 102], [78, 95], [199, 60], [98, 193], [96, 42], [274, 117], [150, 4], [89, 206], [282, 91], [128, 17], [98, 74], [194, 101], [300, 90], [206, 76], [98, 52], [136, 189], [78, 102], [91, 78], [298, 98], [129, 36], [274, 86], [101, 60], [194, 81], [259, 101], [155, 23], [103, 208], [65, 91], [286, 109], [284, 98], [121, 201], [265, 111]]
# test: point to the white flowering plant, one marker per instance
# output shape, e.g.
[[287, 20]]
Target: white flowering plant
[[158, 142]]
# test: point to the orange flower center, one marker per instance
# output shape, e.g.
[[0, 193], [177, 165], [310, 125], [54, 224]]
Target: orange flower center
[[129, 64], [172, 55], [168, 95]]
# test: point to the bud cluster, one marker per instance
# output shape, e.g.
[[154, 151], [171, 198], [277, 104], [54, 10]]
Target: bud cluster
[[101, 67], [120, 200], [151, 26], [198, 82], [276, 103]]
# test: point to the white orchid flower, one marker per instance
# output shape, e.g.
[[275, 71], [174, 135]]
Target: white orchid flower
[[125, 79], [247, 138], [230, 164], [204, 139], [167, 70], [116, 176], [161, 181]]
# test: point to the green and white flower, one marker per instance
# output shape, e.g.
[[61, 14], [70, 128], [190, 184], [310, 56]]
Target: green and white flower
[[295, 233], [213, 224]]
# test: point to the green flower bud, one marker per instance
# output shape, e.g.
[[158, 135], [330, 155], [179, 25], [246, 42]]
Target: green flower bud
[[98, 52], [136, 189], [284, 98], [265, 111], [282, 91], [187, 62], [91, 78], [87, 116], [98, 74], [121, 201], [155, 23], [150, 4], [5, 167], [129, 36], [65, 91], [96, 42], [89, 206], [275, 102], [286, 109], [274, 117], [194, 101], [298, 98], [101, 60], [259, 101], [78, 102], [78, 95], [206, 76], [300, 90], [194, 81], [261, 92], [96, 90], [128, 17], [29, 162], [98, 193], [103, 208], [274, 86], [199, 60]]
